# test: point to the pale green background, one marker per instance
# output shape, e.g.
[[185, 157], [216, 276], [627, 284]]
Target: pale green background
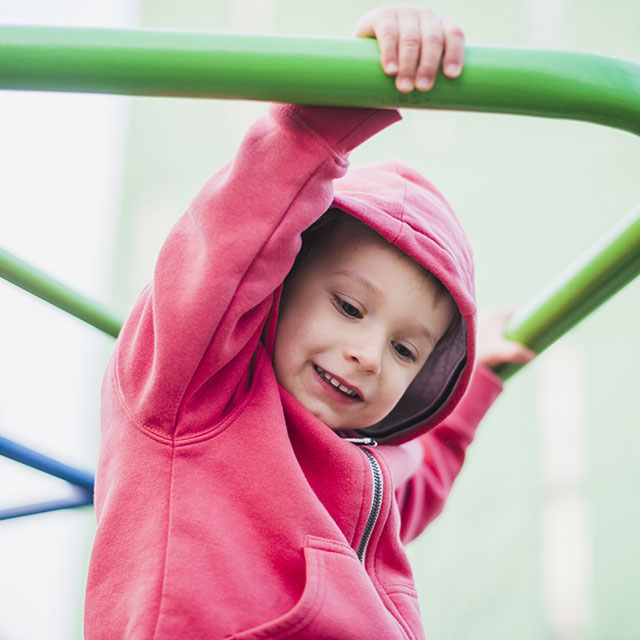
[[532, 194]]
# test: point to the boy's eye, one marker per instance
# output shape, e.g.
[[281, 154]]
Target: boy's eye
[[347, 308], [403, 352]]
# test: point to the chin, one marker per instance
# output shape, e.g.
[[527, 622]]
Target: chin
[[330, 420], [342, 425]]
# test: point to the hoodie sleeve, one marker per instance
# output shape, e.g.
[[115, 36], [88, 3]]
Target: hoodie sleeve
[[423, 496], [189, 339]]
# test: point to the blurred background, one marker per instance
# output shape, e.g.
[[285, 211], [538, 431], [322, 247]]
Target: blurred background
[[539, 538]]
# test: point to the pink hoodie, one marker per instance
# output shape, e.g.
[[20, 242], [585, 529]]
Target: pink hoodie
[[225, 509]]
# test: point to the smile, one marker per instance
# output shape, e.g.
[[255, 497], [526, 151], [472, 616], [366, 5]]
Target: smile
[[334, 382]]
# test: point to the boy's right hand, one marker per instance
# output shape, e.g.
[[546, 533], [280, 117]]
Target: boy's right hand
[[413, 42]]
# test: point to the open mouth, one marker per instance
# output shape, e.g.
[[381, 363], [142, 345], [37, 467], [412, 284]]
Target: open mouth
[[334, 382]]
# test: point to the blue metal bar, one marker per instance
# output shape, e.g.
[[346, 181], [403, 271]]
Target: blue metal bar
[[53, 467], [81, 499]]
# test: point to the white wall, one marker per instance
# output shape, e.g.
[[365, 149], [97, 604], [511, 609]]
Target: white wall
[[60, 166]]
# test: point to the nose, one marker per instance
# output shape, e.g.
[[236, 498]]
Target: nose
[[366, 352]]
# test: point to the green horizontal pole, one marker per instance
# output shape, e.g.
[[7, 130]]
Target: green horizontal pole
[[304, 70], [39, 284], [611, 263]]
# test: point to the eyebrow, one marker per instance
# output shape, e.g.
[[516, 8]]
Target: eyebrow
[[376, 291], [427, 332], [362, 281]]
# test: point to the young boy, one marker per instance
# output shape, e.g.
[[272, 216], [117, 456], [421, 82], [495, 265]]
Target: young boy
[[239, 491]]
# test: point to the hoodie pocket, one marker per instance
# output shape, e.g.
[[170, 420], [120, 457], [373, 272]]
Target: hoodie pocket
[[338, 601]]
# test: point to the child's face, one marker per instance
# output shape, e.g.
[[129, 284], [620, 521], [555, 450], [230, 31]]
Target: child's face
[[362, 314]]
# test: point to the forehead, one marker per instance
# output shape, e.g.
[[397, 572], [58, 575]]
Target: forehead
[[351, 242], [355, 252]]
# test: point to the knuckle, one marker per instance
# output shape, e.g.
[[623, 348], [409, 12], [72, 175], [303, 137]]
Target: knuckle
[[434, 40], [410, 40], [387, 32], [452, 29], [456, 32], [433, 46], [427, 71]]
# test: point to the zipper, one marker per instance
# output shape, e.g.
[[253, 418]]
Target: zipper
[[376, 502], [376, 506]]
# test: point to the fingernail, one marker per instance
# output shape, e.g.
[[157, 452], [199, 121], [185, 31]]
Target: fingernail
[[423, 84], [404, 84], [391, 67], [452, 69]]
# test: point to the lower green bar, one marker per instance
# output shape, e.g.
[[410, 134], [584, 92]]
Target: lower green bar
[[39, 284], [593, 278]]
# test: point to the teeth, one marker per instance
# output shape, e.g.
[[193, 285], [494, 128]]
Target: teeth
[[336, 383]]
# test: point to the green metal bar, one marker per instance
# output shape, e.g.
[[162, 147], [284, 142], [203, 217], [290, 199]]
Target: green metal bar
[[39, 284], [611, 263], [330, 71]]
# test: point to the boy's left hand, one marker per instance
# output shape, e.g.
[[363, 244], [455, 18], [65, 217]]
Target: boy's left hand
[[492, 347], [413, 42]]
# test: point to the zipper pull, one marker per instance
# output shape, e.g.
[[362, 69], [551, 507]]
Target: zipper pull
[[362, 442]]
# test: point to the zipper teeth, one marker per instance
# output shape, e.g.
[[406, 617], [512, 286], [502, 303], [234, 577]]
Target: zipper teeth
[[376, 506]]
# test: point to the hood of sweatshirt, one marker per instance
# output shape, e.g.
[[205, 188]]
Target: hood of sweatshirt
[[409, 212]]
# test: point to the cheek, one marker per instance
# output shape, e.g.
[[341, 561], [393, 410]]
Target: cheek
[[394, 386], [393, 395], [296, 337], [282, 350]]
